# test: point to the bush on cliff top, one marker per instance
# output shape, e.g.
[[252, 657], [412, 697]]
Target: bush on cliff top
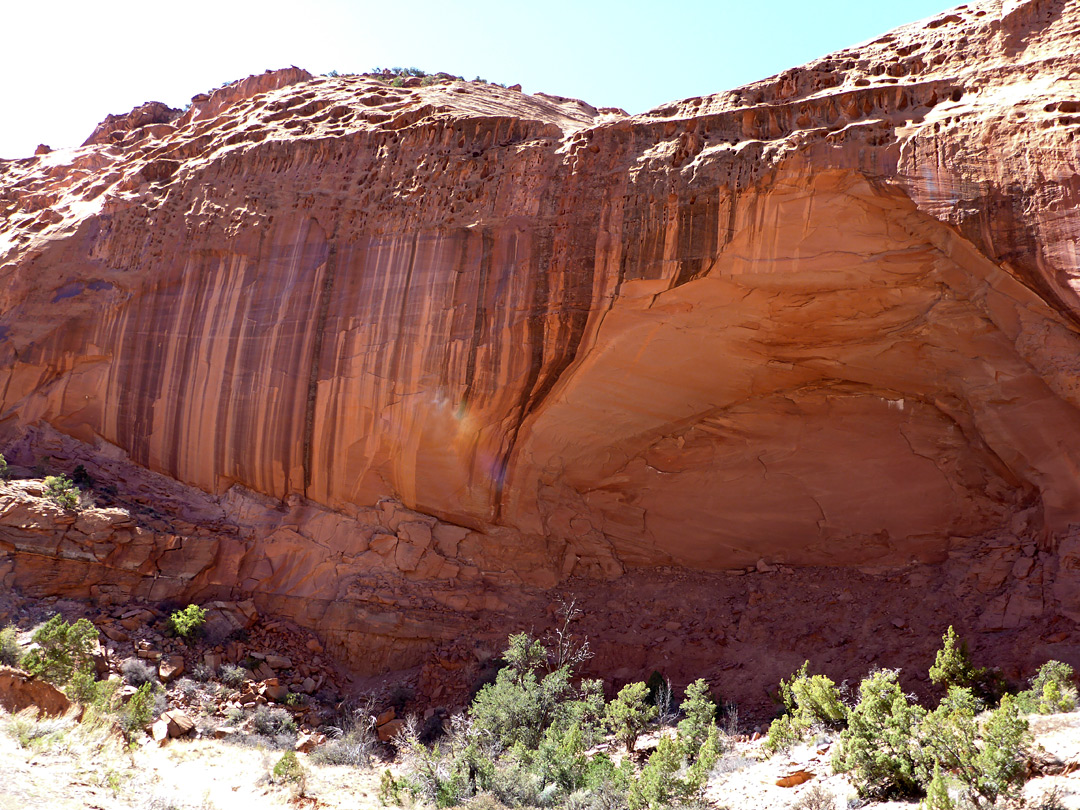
[[62, 491]]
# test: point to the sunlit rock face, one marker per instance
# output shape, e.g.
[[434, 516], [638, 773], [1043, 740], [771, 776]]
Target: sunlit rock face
[[828, 319]]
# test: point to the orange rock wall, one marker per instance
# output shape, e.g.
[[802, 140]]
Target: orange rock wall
[[828, 319]]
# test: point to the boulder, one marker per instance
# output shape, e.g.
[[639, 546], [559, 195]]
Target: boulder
[[385, 717], [305, 743], [273, 690], [387, 731], [170, 668], [178, 722], [20, 690], [159, 730]]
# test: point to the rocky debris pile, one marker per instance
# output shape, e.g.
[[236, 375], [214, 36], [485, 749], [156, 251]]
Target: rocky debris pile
[[275, 658]]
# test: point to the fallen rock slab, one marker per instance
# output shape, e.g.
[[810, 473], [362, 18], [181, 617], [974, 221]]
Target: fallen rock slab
[[795, 778], [20, 690], [178, 722], [170, 668], [387, 731]]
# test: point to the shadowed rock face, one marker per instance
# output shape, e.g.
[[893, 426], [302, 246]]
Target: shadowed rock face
[[828, 319]]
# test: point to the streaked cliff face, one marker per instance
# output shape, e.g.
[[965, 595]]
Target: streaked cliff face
[[827, 319]]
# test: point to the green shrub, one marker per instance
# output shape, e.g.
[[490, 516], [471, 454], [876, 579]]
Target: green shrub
[[999, 764], [784, 732], [84, 688], [187, 623], [10, 651], [62, 491], [520, 705], [4, 471], [952, 665], [1052, 690], [607, 784], [138, 712], [949, 736], [817, 700], [559, 765], [809, 700], [658, 783], [62, 650], [524, 741], [880, 746], [699, 713], [937, 793], [629, 714], [391, 790], [289, 770], [675, 773]]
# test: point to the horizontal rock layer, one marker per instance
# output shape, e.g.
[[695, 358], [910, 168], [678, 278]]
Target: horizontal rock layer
[[828, 319]]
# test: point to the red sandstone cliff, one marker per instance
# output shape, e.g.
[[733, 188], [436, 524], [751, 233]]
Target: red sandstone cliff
[[828, 319]]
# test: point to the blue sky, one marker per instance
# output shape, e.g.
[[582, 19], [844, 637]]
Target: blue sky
[[67, 64]]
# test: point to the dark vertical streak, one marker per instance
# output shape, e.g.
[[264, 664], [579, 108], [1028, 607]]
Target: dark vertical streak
[[316, 354], [396, 357], [478, 317]]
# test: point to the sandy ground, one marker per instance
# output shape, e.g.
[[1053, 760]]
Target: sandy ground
[[87, 770], [183, 775]]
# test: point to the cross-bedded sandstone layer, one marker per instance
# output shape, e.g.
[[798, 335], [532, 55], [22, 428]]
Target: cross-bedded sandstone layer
[[826, 320]]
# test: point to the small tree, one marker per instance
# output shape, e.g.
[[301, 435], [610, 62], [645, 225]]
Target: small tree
[[675, 773], [809, 700], [10, 651], [137, 713], [999, 763], [1052, 690], [700, 715], [949, 735], [4, 472], [289, 770], [520, 705], [952, 665], [629, 714], [937, 793], [880, 746], [62, 650]]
